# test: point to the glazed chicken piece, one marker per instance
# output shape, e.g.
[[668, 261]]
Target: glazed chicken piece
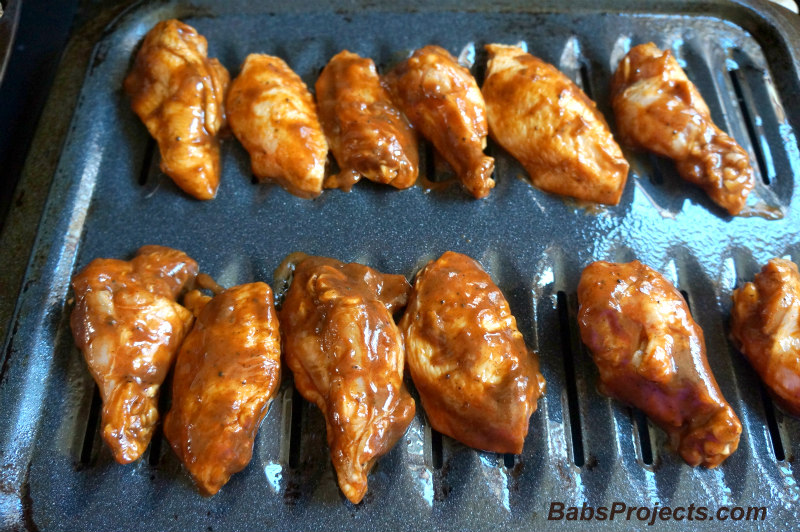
[[549, 125], [274, 116], [346, 353], [657, 108], [367, 134], [226, 374], [651, 354], [477, 380], [443, 101], [129, 328], [766, 326], [179, 93]]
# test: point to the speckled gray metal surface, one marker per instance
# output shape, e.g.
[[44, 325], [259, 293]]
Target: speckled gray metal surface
[[108, 198]]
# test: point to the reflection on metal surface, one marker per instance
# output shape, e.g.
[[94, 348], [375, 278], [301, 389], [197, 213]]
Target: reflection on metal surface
[[274, 475]]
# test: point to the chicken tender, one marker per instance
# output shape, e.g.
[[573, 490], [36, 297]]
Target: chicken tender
[[549, 125], [766, 326], [129, 328], [347, 356], [658, 109], [274, 116], [226, 374], [651, 354], [367, 134], [443, 101], [179, 93], [477, 380]]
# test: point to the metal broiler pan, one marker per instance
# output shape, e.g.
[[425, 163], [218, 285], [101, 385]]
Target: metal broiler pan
[[107, 197]]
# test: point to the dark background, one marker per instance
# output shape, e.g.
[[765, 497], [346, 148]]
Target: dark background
[[43, 31]]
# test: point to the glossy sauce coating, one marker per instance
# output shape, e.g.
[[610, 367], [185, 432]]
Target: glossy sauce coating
[[443, 101], [657, 108], [766, 326], [274, 116], [477, 380], [129, 328], [367, 134], [226, 374], [549, 125], [651, 354], [179, 93], [347, 356]]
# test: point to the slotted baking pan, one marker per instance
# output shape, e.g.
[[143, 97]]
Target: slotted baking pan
[[105, 197]]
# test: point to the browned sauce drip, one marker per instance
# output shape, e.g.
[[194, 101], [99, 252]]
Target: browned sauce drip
[[206, 282], [762, 210], [427, 185], [587, 207]]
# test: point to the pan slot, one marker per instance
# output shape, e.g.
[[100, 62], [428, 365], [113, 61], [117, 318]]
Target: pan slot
[[434, 167], [429, 154], [569, 345], [752, 122], [92, 423], [479, 69], [509, 460], [155, 446], [586, 81], [685, 295], [640, 422], [296, 427], [437, 455], [656, 176], [147, 161], [772, 425], [443, 172], [164, 403]]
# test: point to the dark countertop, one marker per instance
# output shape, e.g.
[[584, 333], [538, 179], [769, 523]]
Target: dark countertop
[[43, 31]]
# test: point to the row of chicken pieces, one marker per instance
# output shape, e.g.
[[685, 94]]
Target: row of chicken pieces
[[478, 381], [370, 122]]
